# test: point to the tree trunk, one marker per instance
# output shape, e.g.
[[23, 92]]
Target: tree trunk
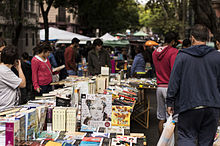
[[18, 27], [46, 27], [204, 14], [184, 8], [45, 16]]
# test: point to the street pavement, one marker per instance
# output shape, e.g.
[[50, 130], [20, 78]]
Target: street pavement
[[151, 133]]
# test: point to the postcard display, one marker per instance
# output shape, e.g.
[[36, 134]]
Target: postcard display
[[101, 114]]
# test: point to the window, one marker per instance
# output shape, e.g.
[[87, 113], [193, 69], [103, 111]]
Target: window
[[26, 38], [62, 14], [26, 5], [32, 6], [33, 39]]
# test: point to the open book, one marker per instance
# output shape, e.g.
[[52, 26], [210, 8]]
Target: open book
[[58, 68]]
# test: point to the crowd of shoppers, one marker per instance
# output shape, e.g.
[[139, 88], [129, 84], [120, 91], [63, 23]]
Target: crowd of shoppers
[[188, 79]]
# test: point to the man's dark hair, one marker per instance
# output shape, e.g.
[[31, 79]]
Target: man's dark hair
[[97, 42], [75, 40], [35, 50], [186, 43], [2, 42], [9, 55], [200, 32], [44, 47], [25, 56], [171, 36]]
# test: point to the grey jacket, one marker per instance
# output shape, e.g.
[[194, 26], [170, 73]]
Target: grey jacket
[[96, 62]]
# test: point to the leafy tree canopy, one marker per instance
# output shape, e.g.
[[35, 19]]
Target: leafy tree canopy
[[159, 16], [108, 16]]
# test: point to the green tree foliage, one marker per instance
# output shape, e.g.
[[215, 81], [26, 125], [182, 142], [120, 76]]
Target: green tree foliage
[[108, 16], [160, 16]]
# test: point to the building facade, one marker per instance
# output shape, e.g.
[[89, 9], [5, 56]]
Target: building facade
[[61, 18], [216, 7], [25, 23]]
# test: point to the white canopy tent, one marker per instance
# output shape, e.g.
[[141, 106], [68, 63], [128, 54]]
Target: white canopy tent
[[62, 35], [108, 37]]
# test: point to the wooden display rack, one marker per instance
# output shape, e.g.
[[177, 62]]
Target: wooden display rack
[[141, 111]]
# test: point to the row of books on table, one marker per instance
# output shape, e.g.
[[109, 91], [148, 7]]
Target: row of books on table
[[27, 126], [73, 108]]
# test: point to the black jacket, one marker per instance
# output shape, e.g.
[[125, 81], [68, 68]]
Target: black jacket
[[195, 79], [96, 62]]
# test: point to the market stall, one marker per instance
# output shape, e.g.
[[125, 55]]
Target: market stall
[[86, 110]]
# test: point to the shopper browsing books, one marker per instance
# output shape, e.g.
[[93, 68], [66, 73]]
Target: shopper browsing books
[[70, 57], [41, 70], [9, 82], [97, 58]]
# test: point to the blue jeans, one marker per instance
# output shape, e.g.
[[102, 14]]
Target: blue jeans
[[71, 72]]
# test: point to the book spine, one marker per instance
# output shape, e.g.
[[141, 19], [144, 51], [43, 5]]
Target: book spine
[[9, 134]]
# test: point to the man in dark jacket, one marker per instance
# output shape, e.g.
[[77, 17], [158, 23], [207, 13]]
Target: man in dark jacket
[[194, 90], [97, 58]]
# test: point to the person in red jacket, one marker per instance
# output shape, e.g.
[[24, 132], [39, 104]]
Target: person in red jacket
[[41, 69], [70, 57], [163, 59]]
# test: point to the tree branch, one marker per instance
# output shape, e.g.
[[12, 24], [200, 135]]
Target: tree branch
[[50, 2]]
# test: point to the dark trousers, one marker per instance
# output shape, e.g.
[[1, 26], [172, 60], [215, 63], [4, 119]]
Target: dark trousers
[[197, 126], [44, 89]]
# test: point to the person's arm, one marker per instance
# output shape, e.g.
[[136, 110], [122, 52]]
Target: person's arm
[[21, 75], [35, 68], [174, 84]]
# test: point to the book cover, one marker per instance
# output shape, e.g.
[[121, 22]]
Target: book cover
[[71, 119], [41, 114], [59, 119], [98, 134], [86, 128], [2, 133], [83, 87], [21, 119], [74, 135], [121, 116], [126, 138], [96, 110], [48, 135], [91, 141], [9, 132], [30, 123]]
